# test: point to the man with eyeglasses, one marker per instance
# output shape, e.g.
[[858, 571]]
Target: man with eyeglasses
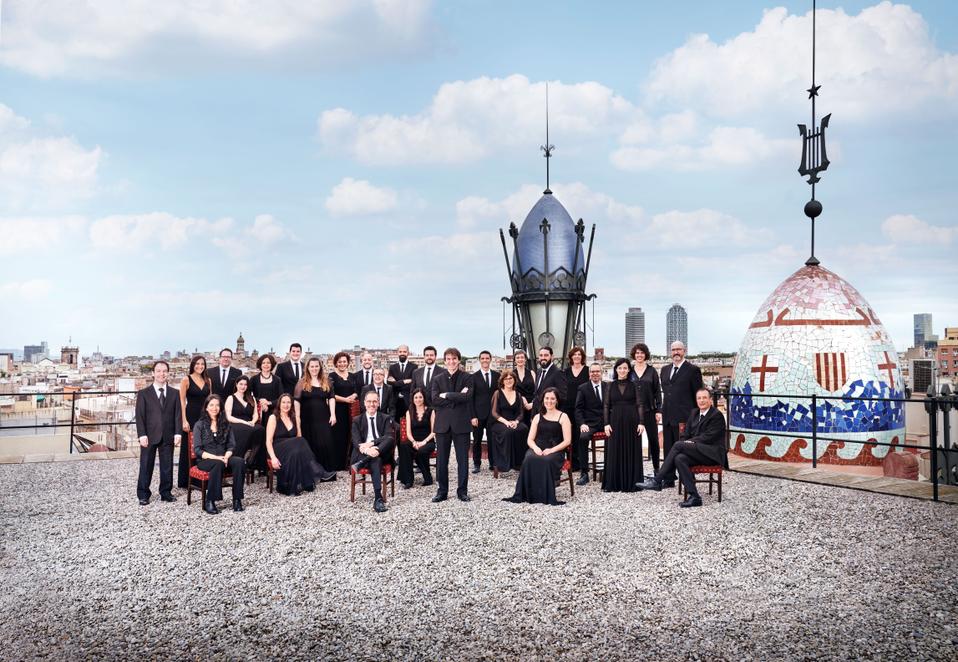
[[223, 377], [589, 416]]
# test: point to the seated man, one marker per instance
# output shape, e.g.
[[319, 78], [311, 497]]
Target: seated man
[[589, 416], [373, 440], [384, 391], [702, 442]]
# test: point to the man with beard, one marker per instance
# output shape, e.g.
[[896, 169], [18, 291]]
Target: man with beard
[[400, 378], [680, 381], [422, 377], [549, 377]]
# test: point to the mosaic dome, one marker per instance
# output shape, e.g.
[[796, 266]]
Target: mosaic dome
[[816, 334], [563, 246]]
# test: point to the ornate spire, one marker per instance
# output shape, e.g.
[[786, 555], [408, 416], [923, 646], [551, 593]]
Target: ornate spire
[[547, 148]]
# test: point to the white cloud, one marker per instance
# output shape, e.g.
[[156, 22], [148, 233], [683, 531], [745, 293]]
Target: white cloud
[[27, 289], [266, 230], [700, 228], [906, 228], [26, 234], [861, 57], [167, 231], [467, 120], [353, 197], [62, 37]]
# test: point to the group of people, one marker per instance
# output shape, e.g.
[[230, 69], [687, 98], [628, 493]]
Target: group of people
[[294, 419]]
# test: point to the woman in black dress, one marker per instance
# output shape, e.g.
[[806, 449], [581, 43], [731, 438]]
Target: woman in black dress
[[289, 453], [215, 448], [420, 441], [576, 375], [266, 386], [315, 413], [243, 416], [194, 389], [625, 414], [642, 371], [526, 385], [509, 432], [345, 394], [549, 436]]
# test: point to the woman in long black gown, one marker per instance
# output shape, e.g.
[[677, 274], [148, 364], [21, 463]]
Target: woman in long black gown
[[345, 394], [289, 452], [420, 441], [549, 436], [576, 375], [266, 386], [642, 371], [625, 414], [315, 413], [194, 389], [243, 416], [509, 430], [526, 386]]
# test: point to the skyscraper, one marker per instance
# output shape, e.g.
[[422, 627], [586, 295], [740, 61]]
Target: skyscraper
[[923, 328], [634, 328], [676, 327]]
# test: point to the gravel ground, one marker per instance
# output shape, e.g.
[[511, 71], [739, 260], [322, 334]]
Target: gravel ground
[[779, 570]]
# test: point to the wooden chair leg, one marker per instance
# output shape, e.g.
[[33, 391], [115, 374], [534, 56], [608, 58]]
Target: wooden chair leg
[[710, 484], [720, 488], [571, 484], [189, 492]]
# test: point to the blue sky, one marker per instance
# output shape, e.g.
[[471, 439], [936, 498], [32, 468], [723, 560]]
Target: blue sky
[[336, 173]]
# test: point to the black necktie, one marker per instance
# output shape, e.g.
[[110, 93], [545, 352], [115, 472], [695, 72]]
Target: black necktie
[[488, 380], [597, 394], [367, 378], [675, 369], [223, 376], [379, 393], [296, 370], [428, 375], [162, 398], [372, 426]]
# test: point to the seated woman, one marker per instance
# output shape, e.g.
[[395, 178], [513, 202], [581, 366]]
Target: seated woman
[[243, 416], [549, 436], [288, 452], [420, 441], [213, 444], [509, 429]]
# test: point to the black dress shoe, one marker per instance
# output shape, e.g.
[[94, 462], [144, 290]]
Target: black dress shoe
[[145, 502], [439, 497], [651, 484], [691, 501], [668, 484], [476, 468], [406, 486], [168, 497], [238, 506], [583, 480], [379, 506], [464, 497], [427, 483], [211, 508]]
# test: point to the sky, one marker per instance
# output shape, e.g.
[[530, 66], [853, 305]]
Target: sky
[[173, 174]]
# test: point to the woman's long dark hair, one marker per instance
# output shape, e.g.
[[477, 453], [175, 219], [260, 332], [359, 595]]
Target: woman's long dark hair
[[221, 423], [248, 395], [554, 391], [615, 369], [196, 359]]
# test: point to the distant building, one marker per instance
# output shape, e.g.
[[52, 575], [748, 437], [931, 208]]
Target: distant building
[[6, 362], [923, 328], [240, 352], [70, 355], [676, 327], [36, 353], [948, 355], [634, 328]]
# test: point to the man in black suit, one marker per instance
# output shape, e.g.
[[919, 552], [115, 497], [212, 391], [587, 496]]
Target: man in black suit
[[400, 378], [549, 377], [680, 381], [452, 400], [703, 442], [373, 436], [158, 430], [223, 377], [383, 391], [422, 377], [364, 376], [590, 417], [485, 382], [291, 370]]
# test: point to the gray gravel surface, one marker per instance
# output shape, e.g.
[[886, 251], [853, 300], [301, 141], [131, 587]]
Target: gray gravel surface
[[779, 570]]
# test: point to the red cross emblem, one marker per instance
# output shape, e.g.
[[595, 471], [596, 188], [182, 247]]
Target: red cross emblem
[[889, 367], [762, 370]]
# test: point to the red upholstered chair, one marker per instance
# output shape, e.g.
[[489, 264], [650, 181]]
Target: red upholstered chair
[[714, 478], [567, 469], [404, 438], [199, 479], [363, 476], [597, 446]]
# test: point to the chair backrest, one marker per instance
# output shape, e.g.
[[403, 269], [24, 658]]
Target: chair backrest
[[403, 436], [353, 409]]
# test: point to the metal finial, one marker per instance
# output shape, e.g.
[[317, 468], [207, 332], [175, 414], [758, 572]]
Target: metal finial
[[548, 147]]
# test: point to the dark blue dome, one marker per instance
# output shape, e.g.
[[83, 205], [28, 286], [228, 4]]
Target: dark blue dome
[[563, 247]]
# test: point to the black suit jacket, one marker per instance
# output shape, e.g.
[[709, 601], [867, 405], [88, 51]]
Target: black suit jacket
[[482, 394], [286, 375], [552, 379], [453, 413], [398, 374], [158, 424], [385, 425], [359, 380], [678, 395], [387, 403], [588, 408], [224, 390], [419, 380], [708, 433]]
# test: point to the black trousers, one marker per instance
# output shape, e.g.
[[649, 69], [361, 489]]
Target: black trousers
[[214, 486], [670, 435], [444, 443], [401, 408], [408, 455], [581, 446], [682, 456], [484, 427], [147, 462], [375, 466]]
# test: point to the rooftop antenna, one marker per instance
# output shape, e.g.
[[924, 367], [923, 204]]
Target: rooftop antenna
[[547, 148], [814, 159]]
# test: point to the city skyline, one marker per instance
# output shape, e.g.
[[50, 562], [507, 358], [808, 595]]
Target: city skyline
[[334, 178]]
